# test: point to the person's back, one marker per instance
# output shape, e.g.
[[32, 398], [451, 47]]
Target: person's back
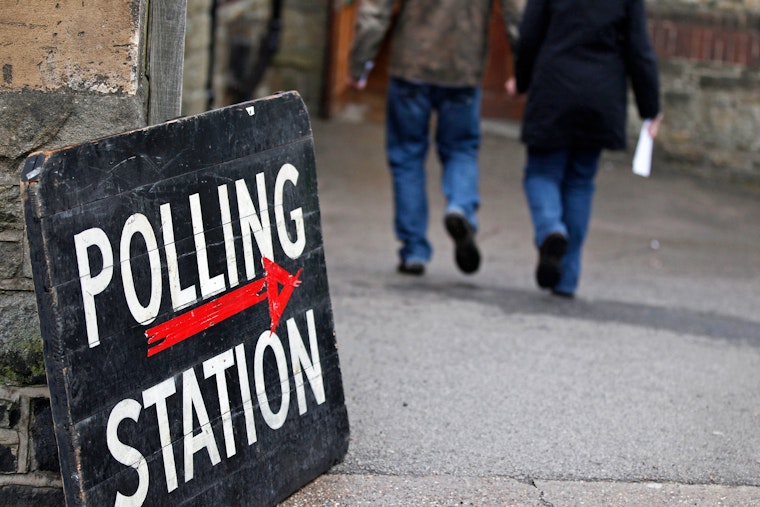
[[442, 42], [576, 56]]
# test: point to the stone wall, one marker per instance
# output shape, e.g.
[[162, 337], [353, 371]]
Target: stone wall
[[238, 30], [300, 64], [71, 71], [69, 76], [29, 470], [240, 27], [195, 92]]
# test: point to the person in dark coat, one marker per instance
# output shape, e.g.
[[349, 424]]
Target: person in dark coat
[[574, 59]]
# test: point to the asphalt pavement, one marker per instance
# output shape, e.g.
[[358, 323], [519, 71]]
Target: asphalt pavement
[[483, 390]]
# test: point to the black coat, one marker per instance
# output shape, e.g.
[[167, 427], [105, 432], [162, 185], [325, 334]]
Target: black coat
[[574, 58]]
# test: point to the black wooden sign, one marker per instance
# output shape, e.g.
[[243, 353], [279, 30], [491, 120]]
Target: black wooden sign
[[188, 333]]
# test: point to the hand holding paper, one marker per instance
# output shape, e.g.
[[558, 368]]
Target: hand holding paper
[[642, 157]]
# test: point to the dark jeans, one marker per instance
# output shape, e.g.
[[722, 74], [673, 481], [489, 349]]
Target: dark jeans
[[457, 137], [559, 186]]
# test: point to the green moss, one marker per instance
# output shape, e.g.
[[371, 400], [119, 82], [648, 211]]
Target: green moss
[[23, 366]]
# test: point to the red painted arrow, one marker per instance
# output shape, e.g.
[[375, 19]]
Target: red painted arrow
[[199, 319]]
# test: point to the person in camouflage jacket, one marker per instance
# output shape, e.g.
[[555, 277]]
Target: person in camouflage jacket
[[438, 56]]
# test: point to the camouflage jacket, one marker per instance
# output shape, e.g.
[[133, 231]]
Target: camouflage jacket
[[443, 42]]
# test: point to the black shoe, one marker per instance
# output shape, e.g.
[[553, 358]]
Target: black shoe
[[562, 294], [412, 268], [549, 269], [465, 250]]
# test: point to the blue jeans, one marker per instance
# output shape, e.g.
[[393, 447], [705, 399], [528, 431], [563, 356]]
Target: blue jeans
[[559, 186], [457, 137]]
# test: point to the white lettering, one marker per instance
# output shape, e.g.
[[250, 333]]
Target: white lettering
[[138, 224], [229, 236], [157, 396], [192, 401], [271, 340], [292, 249], [126, 455], [181, 298], [245, 392], [251, 222], [255, 226], [209, 286], [215, 367], [93, 285], [301, 362], [197, 431]]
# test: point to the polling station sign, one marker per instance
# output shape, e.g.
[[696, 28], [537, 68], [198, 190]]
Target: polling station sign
[[184, 307]]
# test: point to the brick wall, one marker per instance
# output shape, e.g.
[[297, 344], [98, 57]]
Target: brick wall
[[720, 38]]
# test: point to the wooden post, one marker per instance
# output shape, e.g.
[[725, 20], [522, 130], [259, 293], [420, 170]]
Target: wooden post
[[166, 41]]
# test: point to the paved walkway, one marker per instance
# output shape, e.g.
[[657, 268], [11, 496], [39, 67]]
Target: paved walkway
[[482, 390]]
